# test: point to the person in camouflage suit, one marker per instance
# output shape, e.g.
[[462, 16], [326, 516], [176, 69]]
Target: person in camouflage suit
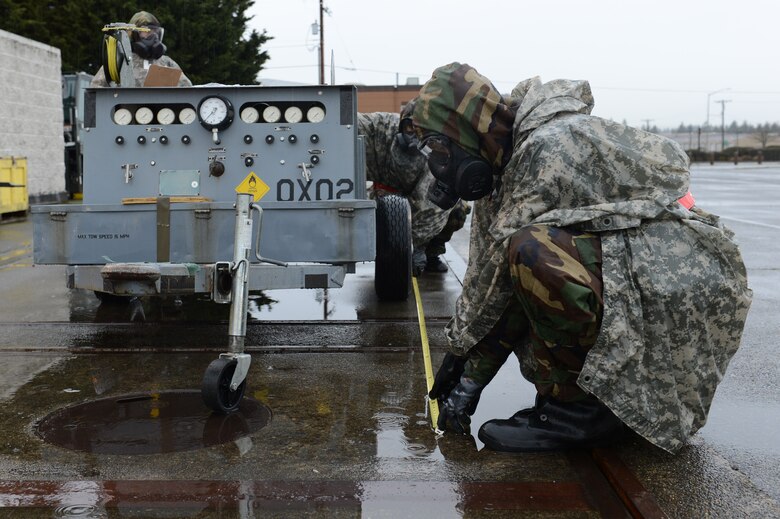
[[622, 300], [148, 50], [394, 166]]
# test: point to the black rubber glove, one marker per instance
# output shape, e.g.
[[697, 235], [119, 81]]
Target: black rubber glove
[[419, 260], [455, 413], [447, 377]]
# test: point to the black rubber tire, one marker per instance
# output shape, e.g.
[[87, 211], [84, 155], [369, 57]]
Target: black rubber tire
[[215, 388], [393, 268]]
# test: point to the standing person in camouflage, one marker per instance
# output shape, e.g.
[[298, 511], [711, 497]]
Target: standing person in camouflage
[[588, 259], [148, 49], [394, 166]]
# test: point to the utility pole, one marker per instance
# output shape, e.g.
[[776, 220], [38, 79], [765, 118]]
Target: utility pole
[[707, 123], [723, 122], [322, 46]]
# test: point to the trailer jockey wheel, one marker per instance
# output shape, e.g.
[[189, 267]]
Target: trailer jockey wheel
[[215, 389], [393, 269]]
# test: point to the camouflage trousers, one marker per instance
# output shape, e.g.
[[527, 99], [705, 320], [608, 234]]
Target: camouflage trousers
[[455, 221], [555, 318]]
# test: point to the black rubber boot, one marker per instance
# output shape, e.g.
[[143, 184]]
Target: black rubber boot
[[435, 264], [553, 425]]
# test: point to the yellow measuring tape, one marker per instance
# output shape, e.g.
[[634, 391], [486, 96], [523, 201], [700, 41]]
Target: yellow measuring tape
[[434, 404]]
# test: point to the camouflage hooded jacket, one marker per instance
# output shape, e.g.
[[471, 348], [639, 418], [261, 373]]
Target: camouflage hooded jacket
[[407, 173], [675, 287]]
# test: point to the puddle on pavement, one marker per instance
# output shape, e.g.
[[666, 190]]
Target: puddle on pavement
[[274, 305], [149, 423]]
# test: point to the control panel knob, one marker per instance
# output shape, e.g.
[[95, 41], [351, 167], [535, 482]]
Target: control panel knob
[[293, 139], [164, 139], [216, 169], [248, 161], [314, 138], [269, 139], [248, 139], [141, 139], [315, 159], [186, 139], [119, 140]]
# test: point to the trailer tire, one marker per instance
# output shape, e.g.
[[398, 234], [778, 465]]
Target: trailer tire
[[393, 266]]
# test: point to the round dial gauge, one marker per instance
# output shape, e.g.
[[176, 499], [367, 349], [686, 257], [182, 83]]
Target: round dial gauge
[[315, 114], [123, 116], [272, 114], [144, 115], [165, 116], [215, 112], [187, 115], [250, 115], [293, 114]]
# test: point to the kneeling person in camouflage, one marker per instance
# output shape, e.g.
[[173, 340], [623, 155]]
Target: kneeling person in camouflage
[[588, 260]]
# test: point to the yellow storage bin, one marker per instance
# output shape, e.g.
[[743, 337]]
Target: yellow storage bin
[[13, 186]]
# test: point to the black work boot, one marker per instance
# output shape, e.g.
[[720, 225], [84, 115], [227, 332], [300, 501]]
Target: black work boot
[[435, 264], [553, 425]]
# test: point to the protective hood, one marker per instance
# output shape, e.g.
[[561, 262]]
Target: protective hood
[[463, 105], [144, 18], [537, 102]]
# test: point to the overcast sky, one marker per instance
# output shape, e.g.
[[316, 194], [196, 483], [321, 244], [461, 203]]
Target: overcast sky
[[647, 61]]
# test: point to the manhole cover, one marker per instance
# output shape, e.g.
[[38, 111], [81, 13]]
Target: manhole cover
[[149, 423]]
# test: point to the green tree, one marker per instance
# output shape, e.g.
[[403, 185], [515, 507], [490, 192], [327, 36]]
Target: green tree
[[208, 39]]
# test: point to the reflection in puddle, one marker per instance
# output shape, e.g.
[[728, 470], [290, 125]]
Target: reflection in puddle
[[301, 305], [273, 305], [193, 498], [152, 423]]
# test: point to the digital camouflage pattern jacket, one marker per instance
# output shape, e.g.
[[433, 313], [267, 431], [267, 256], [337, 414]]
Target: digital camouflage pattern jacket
[[404, 172], [675, 287]]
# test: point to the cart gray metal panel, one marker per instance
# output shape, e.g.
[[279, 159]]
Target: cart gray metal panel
[[162, 167]]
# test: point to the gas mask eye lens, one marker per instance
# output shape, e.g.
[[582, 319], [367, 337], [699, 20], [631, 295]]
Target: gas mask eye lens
[[437, 151], [154, 33]]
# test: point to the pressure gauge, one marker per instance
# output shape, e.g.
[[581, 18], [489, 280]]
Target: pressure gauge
[[293, 114], [187, 115], [250, 115], [271, 114], [165, 116], [315, 114], [123, 116], [215, 112], [144, 115]]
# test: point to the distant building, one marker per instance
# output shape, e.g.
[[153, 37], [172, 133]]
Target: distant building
[[388, 98], [374, 98]]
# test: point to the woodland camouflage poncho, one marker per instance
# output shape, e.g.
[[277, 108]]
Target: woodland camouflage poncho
[[675, 287]]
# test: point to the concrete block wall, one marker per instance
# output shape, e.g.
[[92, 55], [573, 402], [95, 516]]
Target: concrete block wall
[[31, 113]]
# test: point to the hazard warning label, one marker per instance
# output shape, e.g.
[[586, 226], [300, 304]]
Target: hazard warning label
[[254, 186]]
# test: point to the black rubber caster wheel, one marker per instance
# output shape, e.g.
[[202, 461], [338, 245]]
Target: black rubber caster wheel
[[215, 389]]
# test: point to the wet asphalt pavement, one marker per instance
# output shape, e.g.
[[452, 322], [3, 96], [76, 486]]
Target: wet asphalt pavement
[[101, 417]]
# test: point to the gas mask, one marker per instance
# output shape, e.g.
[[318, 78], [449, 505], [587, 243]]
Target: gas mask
[[148, 44], [458, 174], [406, 136]]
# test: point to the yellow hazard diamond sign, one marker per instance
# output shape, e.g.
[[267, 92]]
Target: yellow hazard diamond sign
[[254, 186]]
